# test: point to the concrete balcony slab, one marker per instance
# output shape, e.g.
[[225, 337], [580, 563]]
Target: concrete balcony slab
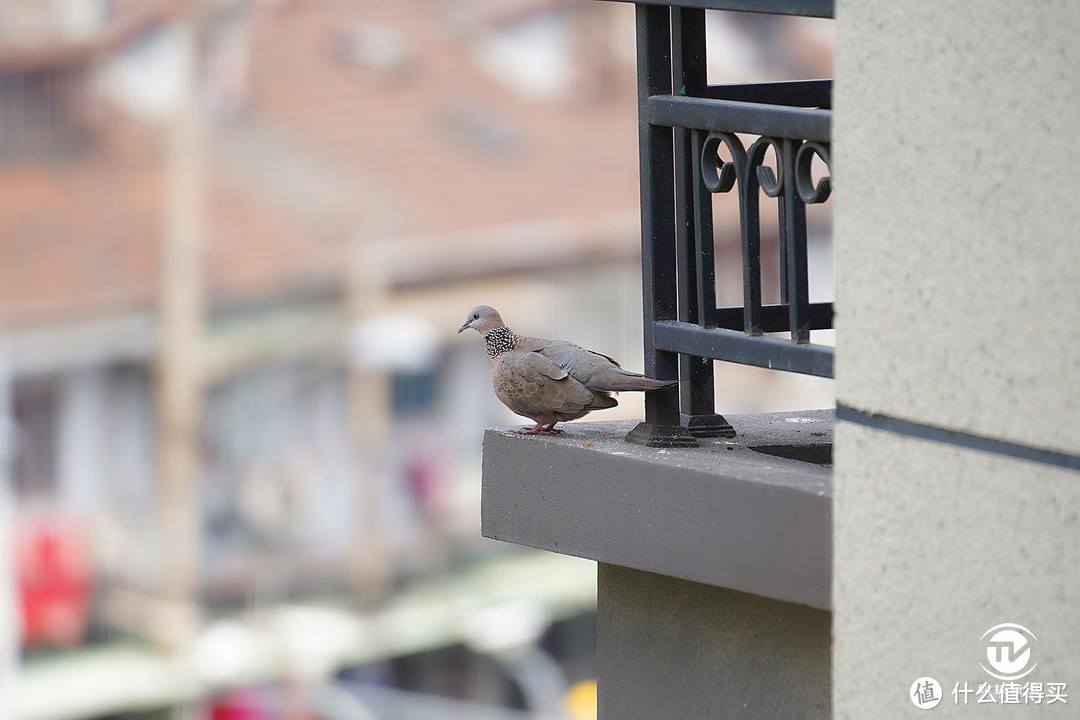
[[742, 514]]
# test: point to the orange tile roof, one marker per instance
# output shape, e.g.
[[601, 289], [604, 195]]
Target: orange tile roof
[[81, 236], [413, 131], [77, 235]]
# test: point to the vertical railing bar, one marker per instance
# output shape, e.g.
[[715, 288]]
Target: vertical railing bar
[[681, 47], [704, 238], [795, 245], [750, 226], [696, 387], [782, 228], [659, 272]]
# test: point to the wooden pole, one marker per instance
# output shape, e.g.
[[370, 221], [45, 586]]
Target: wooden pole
[[179, 386], [369, 413]]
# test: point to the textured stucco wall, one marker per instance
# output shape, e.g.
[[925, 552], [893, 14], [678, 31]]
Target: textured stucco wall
[[956, 158], [933, 546], [669, 648], [957, 216]]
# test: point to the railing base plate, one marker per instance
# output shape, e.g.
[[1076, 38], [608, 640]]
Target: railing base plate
[[708, 426], [661, 436]]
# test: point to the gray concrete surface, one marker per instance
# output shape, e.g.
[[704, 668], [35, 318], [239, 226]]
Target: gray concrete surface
[[956, 166], [935, 545], [670, 649], [720, 514], [957, 175]]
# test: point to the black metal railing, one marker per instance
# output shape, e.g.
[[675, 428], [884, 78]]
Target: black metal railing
[[686, 126]]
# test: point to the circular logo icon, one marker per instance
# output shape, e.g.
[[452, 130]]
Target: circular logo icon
[[1008, 651], [925, 693]]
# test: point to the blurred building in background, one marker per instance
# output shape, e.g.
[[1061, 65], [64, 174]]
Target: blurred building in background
[[368, 172]]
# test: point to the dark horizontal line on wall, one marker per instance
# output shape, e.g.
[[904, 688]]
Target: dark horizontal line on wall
[[956, 438]]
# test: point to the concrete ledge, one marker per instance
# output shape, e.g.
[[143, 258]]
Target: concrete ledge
[[721, 514]]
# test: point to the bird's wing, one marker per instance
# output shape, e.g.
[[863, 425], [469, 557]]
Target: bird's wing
[[531, 384], [576, 360], [595, 371]]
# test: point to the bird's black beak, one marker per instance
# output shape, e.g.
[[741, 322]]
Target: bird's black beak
[[464, 327]]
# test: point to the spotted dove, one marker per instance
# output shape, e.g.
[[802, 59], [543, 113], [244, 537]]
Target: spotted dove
[[550, 381]]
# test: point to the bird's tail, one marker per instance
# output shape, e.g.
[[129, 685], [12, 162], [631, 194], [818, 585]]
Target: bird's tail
[[619, 380]]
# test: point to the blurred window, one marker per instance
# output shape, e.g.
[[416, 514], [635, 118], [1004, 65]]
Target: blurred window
[[36, 437], [414, 393], [42, 112]]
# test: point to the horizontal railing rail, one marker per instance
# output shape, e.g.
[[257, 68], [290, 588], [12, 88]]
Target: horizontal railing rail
[[805, 8], [796, 93], [777, 121], [770, 352]]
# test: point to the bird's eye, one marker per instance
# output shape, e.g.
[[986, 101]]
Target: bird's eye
[[476, 316]]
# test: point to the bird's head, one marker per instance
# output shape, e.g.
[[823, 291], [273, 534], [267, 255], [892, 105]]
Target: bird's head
[[482, 319]]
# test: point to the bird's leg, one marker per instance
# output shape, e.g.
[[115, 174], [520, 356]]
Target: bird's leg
[[540, 429]]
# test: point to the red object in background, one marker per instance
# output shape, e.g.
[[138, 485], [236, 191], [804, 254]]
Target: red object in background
[[54, 577], [240, 704]]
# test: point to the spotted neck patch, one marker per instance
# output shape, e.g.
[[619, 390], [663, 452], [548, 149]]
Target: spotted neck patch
[[499, 340]]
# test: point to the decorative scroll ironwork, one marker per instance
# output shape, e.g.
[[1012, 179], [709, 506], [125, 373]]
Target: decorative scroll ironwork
[[683, 141], [809, 192], [748, 173], [720, 175]]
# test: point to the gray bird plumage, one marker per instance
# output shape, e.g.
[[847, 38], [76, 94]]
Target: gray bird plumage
[[550, 381]]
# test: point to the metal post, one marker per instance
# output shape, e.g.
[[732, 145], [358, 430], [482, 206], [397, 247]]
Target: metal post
[[662, 426], [693, 209]]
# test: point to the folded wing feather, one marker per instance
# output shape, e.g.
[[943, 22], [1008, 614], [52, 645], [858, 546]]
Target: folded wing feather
[[533, 385], [593, 370]]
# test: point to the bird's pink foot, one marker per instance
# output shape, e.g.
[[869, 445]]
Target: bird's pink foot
[[540, 429]]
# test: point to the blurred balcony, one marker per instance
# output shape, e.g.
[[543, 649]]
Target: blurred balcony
[[319, 642]]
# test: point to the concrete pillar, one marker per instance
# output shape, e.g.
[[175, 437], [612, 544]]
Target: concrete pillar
[[957, 171], [669, 648]]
